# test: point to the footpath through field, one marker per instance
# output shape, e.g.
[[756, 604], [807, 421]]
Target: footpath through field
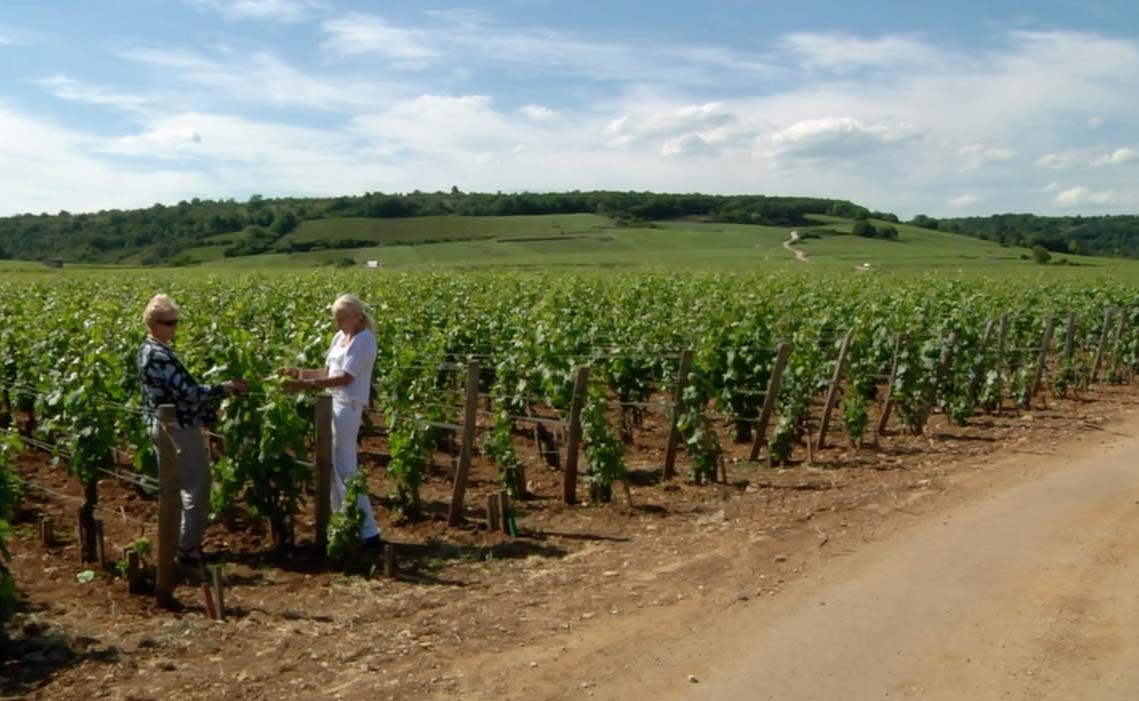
[[789, 244], [1024, 590]]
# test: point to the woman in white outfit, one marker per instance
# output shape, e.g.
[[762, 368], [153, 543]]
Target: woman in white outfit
[[347, 374]]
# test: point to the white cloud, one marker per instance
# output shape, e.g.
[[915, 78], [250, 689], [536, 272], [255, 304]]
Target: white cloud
[[469, 38], [1081, 196], [538, 113], [262, 78], [964, 200], [838, 137], [843, 53], [1061, 161], [358, 33], [1051, 187], [67, 88], [1117, 157], [708, 143], [1095, 122], [974, 156], [275, 10], [165, 138], [58, 171], [628, 116]]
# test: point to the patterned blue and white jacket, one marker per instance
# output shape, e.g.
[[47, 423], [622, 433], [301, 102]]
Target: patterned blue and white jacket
[[166, 381]]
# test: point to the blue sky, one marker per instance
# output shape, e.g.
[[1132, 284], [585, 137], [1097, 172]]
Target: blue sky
[[943, 108]]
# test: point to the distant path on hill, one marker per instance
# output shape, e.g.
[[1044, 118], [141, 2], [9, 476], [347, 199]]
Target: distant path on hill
[[789, 244]]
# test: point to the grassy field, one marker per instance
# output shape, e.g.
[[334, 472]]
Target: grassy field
[[585, 241], [414, 230]]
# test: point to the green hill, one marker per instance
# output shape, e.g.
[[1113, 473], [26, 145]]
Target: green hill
[[547, 242]]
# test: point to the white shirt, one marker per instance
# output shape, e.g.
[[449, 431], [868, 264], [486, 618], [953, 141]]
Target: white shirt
[[355, 359]]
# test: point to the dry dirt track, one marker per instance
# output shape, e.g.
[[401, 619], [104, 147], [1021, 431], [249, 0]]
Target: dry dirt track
[[1029, 593], [789, 244], [1022, 582]]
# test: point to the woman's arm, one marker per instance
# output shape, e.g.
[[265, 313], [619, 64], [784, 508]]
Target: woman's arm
[[303, 373], [324, 382]]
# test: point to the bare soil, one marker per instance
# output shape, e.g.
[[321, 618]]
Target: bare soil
[[581, 592]]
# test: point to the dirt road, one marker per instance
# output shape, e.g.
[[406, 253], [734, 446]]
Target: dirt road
[[1031, 592], [789, 244]]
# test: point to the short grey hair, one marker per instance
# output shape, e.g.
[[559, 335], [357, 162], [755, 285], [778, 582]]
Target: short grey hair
[[159, 304]]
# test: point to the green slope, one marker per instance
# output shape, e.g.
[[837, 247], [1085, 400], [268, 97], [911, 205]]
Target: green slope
[[586, 241], [413, 230]]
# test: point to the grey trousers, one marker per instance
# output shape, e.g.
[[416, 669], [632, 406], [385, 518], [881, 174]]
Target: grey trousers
[[193, 468]]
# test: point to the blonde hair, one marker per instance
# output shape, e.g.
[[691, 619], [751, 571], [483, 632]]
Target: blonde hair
[[352, 303], [158, 304]]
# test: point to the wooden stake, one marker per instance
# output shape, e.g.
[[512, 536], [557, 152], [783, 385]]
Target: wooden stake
[[493, 512], [1070, 343], [504, 503], [389, 560], [134, 571], [47, 538], [580, 387], [1105, 333], [835, 388], [979, 371], [100, 544], [211, 607], [888, 404], [1119, 331], [782, 353], [1038, 379], [1002, 345], [455, 515], [942, 368], [169, 507], [677, 408], [323, 476], [219, 591]]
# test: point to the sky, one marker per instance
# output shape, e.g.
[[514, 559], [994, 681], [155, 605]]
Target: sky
[[943, 108]]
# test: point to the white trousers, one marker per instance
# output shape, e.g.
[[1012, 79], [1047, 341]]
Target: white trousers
[[346, 418]]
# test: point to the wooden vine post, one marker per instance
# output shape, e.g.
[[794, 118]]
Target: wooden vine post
[[573, 442], [1070, 342], [979, 371], [1002, 346], [169, 507], [677, 409], [888, 404], [835, 388], [1118, 342], [323, 468], [942, 368], [1038, 378], [782, 354], [466, 452], [1105, 333]]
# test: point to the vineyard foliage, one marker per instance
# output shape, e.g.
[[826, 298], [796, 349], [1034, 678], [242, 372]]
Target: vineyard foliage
[[67, 349]]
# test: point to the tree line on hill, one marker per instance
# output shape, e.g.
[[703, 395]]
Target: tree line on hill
[[1116, 236], [160, 234]]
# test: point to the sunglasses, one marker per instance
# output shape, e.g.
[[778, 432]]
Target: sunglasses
[[168, 322]]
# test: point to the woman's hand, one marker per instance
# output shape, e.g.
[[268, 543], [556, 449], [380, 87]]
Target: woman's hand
[[294, 386], [236, 386]]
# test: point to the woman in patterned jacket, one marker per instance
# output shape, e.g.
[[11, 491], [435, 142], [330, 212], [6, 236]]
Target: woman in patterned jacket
[[166, 381]]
